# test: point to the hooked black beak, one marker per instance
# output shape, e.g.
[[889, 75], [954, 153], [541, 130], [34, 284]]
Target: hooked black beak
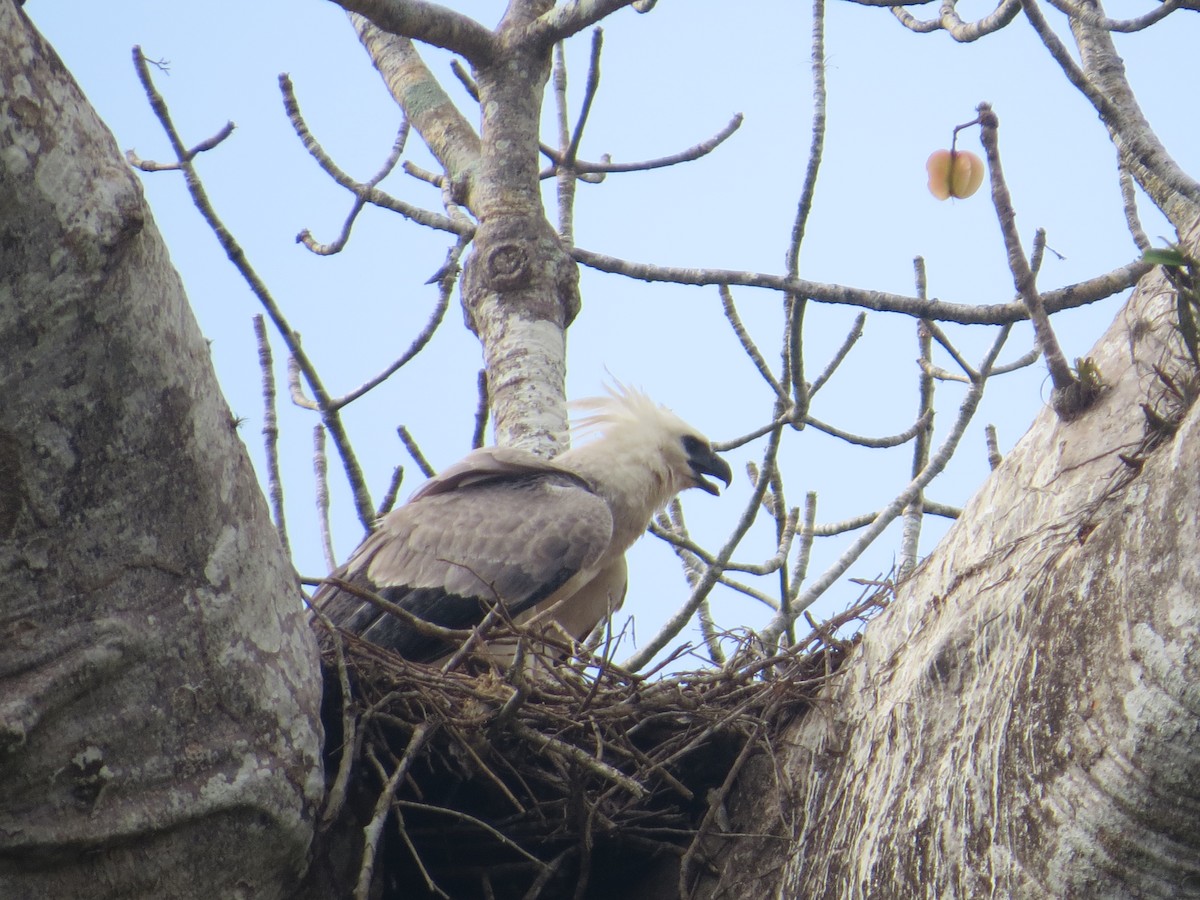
[[703, 460]]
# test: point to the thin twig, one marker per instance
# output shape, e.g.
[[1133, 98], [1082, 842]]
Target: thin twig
[[1068, 400], [852, 338], [453, 636], [236, 255], [414, 451], [321, 474], [672, 526], [478, 823], [389, 496], [692, 153], [891, 440], [147, 165], [270, 431], [539, 884], [949, 21], [913, 515], [795, 303], [383, 804], [940, 336], [445, 291], [716, 805], [361, 191], [296, 388], [888, 514], [364, 192], [804, 552], [402, 828], [681, 541], [748, 345], [993, 447], [1129, 203], [596, 767], [566, 177], [589, 96]]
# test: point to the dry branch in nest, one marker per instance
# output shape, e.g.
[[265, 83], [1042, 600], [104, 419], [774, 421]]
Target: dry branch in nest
[[562, 776]]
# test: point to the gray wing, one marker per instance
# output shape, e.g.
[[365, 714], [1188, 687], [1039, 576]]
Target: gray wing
[[487, 464], [472, 540]]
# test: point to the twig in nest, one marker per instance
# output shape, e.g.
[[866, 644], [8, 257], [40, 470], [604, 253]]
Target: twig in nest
[[383, 804], [608, 773]]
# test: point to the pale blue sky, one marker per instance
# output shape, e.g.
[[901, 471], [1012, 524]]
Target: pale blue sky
[[670, 79]]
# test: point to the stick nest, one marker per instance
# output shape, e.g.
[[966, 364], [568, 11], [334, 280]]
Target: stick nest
[[562, 776]]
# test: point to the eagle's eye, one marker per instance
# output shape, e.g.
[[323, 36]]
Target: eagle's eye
[[693, 444]]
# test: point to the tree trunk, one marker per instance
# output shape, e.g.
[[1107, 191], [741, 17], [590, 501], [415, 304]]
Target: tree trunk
[[1022, 722], [159, 694], [520, 286]]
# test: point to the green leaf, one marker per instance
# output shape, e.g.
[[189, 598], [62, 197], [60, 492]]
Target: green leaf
[[1165, 256]]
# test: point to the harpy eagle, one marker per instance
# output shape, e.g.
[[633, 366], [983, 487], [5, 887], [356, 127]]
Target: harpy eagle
[[545, 538]]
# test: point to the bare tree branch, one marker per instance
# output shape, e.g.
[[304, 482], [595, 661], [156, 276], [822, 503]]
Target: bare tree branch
[[852, 337], [566, 178], [383, 803], [410, 444], [803, 551], [428, 23], [237, 256], [389, 496], [887, 515], [589, 95], [891, 440], [911, 536], [573, 16], [748, 345], [147, 165], [1091, 17], [441, 125], [677, 537], [1173, 190], [1069, 398], [949, 21], [993, 447], [1129, 203], [270, 430], [363, 192], [1070, 297], [321, 476], [691, 153], [794, 304], [351, 733]]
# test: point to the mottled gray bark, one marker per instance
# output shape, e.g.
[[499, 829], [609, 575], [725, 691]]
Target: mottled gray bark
[[1023, 721], [159, 694]]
